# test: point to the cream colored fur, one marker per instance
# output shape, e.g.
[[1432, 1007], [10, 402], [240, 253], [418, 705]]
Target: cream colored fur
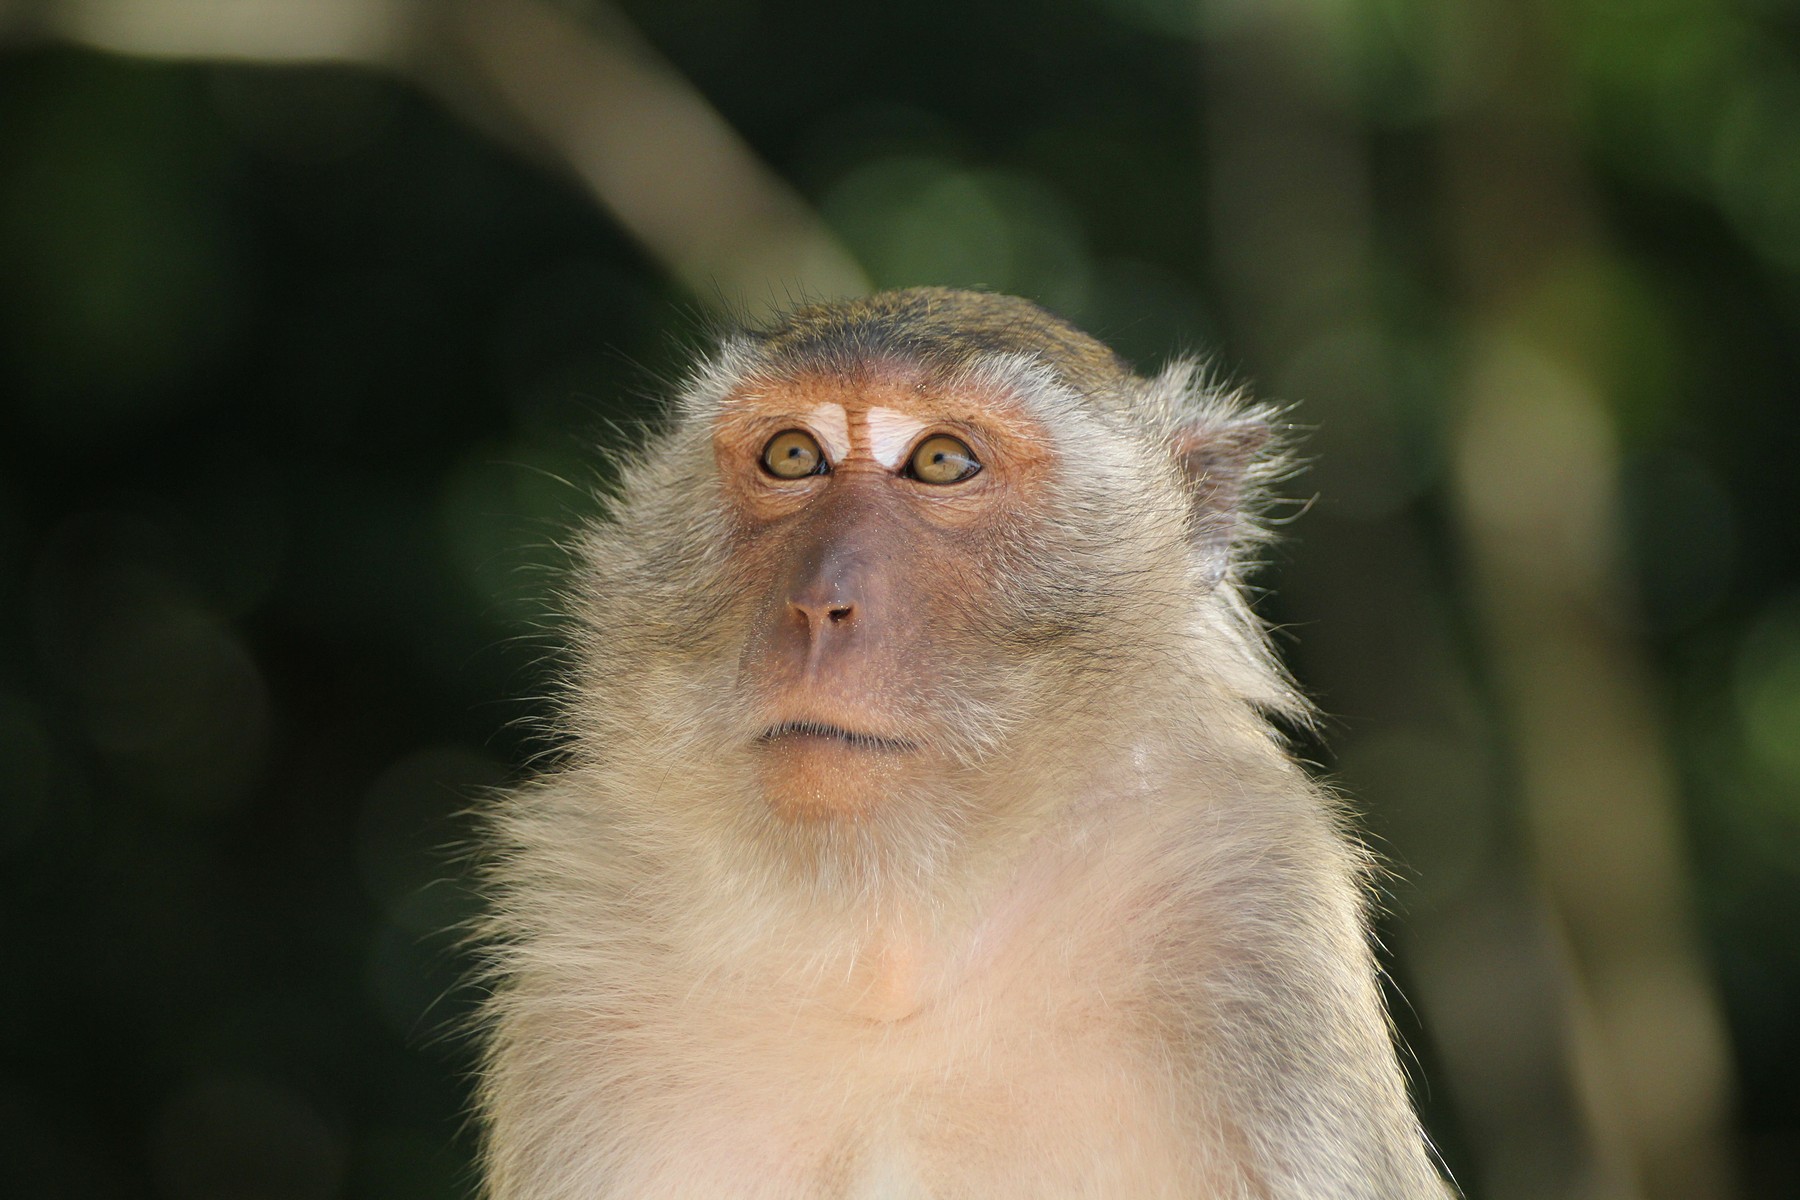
[[1124, 955]]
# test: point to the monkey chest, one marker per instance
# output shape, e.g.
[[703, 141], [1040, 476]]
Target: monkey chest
[[936, 1104]]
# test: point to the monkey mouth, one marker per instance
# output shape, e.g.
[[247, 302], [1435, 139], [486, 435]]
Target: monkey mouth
[[789, 731]]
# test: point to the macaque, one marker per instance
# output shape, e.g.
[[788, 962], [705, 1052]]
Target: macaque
[[921, 829]]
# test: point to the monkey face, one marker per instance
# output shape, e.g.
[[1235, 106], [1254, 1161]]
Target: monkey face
[[869, 513]]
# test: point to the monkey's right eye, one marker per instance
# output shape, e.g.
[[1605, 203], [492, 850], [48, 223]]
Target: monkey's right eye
[[793, 454]]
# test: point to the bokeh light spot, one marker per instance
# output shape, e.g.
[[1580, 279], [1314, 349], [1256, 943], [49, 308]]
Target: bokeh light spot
[[1768, 691], [916, 220]]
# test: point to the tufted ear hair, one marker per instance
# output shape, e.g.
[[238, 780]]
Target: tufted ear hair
[[1223, 463]]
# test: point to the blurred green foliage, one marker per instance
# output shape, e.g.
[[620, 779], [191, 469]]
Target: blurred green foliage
[[301, 381]]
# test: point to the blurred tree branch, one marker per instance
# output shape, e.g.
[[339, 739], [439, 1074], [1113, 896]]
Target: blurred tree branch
[[591, 97]]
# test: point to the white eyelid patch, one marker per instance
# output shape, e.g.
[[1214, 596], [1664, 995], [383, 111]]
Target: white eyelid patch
[[891, 435], [832, 425]]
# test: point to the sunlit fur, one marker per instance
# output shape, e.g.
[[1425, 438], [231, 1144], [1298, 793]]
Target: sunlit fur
[[1118, 949]]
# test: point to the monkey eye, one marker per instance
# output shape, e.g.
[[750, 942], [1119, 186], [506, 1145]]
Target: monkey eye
[[941, 458], [793, 454]]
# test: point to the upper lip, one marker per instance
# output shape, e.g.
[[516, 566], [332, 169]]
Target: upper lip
[[824, 729]]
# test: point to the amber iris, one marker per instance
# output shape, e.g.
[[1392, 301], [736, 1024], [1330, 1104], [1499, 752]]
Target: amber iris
[[793, 454], [942, 459]]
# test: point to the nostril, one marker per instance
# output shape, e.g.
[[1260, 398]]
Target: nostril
[[814, 617]]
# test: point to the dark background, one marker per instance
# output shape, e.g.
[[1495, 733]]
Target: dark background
[[303, 374]]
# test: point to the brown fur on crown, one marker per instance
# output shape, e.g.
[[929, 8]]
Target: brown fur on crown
[[940, 327]]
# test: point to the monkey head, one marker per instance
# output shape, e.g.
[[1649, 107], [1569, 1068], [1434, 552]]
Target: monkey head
[[887, 538]]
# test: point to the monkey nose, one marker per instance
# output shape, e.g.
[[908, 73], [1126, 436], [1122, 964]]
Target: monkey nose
[[820, 616]]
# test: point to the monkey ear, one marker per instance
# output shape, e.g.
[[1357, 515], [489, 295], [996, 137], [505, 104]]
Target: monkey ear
[[1220, 461]]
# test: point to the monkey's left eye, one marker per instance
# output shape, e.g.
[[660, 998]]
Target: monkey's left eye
[[793, 454], [942, 459]]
